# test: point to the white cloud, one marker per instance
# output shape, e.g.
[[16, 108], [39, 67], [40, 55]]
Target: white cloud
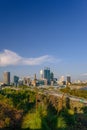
[[8, 57]]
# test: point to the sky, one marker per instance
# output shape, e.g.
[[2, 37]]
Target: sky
[[43, 33]]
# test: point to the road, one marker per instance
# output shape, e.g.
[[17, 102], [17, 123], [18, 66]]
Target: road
[[54, 93], [73, 98]]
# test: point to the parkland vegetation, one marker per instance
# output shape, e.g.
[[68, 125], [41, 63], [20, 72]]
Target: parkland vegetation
[[24, 109], [75, 92]]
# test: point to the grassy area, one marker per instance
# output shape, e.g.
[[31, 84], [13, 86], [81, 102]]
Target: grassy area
[[75, 92]]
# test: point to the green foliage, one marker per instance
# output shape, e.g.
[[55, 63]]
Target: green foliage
[[20, 99], [61, 124], [75, 92], [68, 114], [18, 111], [32, 121]]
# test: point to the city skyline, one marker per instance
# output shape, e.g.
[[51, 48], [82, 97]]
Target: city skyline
[[35, 34]]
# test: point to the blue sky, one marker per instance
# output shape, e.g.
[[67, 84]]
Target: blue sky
[[38, 33]]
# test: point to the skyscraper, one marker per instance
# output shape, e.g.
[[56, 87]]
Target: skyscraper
[[7, 78], [52, 76], [41, 74], [47, 74], [16, 78], [68, 79]]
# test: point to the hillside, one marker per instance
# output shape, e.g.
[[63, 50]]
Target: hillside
[[29, 110]]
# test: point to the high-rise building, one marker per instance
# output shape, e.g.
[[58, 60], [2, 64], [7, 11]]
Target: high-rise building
[[51, 76], [20, 81], [68, 79], [27, 81], [16, 79], [41, 74], [7, 78], [47, 74], [35, 79], [61, 80]]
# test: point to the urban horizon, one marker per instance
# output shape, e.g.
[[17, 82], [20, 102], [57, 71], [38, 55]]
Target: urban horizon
[[38, 77]]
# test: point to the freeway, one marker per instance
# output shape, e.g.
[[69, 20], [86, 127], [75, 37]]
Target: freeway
[[52, 92], [59, 94]]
